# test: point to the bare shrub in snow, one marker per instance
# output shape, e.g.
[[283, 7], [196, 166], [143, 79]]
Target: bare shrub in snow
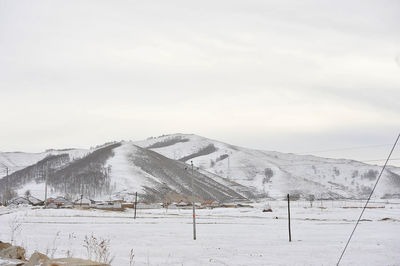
[[71, 239], [336, 171], [9, 194], [212, 163], [131, 257], [50, 251], [370, 175], [15, 228], [68, 254], [354, 174], [365, 190], [98, 249]]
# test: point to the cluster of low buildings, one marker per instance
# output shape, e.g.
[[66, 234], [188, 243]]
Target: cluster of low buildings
[[63, 202], [29, 200]]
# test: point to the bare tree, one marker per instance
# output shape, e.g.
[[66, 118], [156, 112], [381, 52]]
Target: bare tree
[[10, 194], [27, 194], [311, 199]]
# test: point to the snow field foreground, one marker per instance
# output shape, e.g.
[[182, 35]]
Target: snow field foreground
[[242, 236]]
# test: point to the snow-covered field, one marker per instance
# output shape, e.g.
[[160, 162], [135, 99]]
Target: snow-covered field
[[238, 236]]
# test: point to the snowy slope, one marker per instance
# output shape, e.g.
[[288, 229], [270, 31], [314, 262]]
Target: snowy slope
[[18, 160], [274, 173], [65, 175], [157, 178]]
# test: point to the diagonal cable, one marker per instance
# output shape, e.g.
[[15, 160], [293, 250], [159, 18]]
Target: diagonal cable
[[365, 206]]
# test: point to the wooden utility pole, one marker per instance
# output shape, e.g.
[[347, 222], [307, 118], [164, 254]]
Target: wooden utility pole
[[228, 172], [135, 205], [194, 207], [45, 185], [288, 207], [5, 188]]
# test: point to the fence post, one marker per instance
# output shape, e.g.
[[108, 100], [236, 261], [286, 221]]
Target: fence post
[[135, 205], [288, 207]]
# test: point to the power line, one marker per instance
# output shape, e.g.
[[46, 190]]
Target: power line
[[395, 159], [333, 163], [347, 148], [370, 195], [319, 163]]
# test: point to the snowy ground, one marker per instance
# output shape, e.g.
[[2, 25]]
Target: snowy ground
[[242, 236]]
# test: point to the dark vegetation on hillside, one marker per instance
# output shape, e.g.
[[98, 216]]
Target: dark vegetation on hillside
[[88, 176], [34, 173], [167, 142], [173, 178], [203, 151], [222, 157]]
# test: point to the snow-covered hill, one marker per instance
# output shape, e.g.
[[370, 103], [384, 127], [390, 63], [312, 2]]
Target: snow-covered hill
[[158, 178], [159, 169], [18, 160], [274, 173], [120, 170]]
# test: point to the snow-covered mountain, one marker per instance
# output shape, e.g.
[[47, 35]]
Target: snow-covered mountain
[[275, 173], [158, 178], [18, 160], [121, 169], [159, 170]]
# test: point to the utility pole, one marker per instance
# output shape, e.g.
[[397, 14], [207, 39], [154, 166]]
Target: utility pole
[[45, 184], [5, 187], [288, 207], [194, 208], [81, 193], [229, 168], [135, 205]]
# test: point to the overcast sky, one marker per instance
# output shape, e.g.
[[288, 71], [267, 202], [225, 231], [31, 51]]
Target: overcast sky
[[292, 76]]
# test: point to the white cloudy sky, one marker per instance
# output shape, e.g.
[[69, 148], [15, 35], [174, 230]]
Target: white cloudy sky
[[294, 76]]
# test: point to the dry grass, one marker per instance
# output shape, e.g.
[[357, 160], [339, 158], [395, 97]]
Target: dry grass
[[98, 249]]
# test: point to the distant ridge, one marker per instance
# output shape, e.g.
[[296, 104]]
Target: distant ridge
[[155, 168]]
